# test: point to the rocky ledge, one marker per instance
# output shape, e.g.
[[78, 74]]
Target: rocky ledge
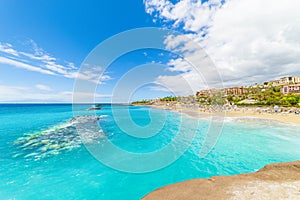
[[274, 181]]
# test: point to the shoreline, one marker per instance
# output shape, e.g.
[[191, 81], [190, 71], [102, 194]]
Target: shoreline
[[243, 112], [274, 181]]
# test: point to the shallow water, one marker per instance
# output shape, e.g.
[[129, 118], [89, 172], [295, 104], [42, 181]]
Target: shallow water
[[244, 146]]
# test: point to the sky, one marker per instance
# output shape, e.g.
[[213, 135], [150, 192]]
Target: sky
[[45, 47]]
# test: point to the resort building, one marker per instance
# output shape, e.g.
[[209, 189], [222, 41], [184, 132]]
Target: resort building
[[208, 92], [203, 93], [234, 90], [227, 91], [275, 83], [288, 84], [290, 79], [284, 81], [290, 89]]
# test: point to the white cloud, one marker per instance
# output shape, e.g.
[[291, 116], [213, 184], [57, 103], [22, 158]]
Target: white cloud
[[7, 48], [249, 41], [93, 74], [255, 39], [43, 57], [36, 59], [192, 15], [71, 65], [43, 87], [29, 94], [53, 66], [184, 84], [18, 64]]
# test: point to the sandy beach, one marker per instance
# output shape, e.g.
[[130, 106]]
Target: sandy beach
[[274, 181], [242, 112]]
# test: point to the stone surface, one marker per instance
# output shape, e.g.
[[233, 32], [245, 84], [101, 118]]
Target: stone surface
[[274, 181]]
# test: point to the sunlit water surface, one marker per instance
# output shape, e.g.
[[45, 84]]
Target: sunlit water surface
[[60, 167]]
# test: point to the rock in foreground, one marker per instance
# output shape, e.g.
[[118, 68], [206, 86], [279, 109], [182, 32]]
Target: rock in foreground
[[274, 181]]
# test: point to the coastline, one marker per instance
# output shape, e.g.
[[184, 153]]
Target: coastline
[[244, 112], [274, 181]]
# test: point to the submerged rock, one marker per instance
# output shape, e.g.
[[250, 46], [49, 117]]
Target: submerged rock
[[62, 137], [94, 108]]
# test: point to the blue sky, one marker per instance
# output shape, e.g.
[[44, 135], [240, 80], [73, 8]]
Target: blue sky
[[66, 31], [44, 43]]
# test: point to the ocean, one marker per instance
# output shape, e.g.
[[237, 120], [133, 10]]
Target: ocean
[[42, 157]]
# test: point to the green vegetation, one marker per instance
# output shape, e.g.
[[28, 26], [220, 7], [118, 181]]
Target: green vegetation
[[141, 102], [268, 96], [170, 98], [260, 97], [215, 98]]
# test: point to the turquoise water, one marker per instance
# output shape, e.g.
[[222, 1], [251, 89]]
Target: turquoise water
[[243, 146]]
